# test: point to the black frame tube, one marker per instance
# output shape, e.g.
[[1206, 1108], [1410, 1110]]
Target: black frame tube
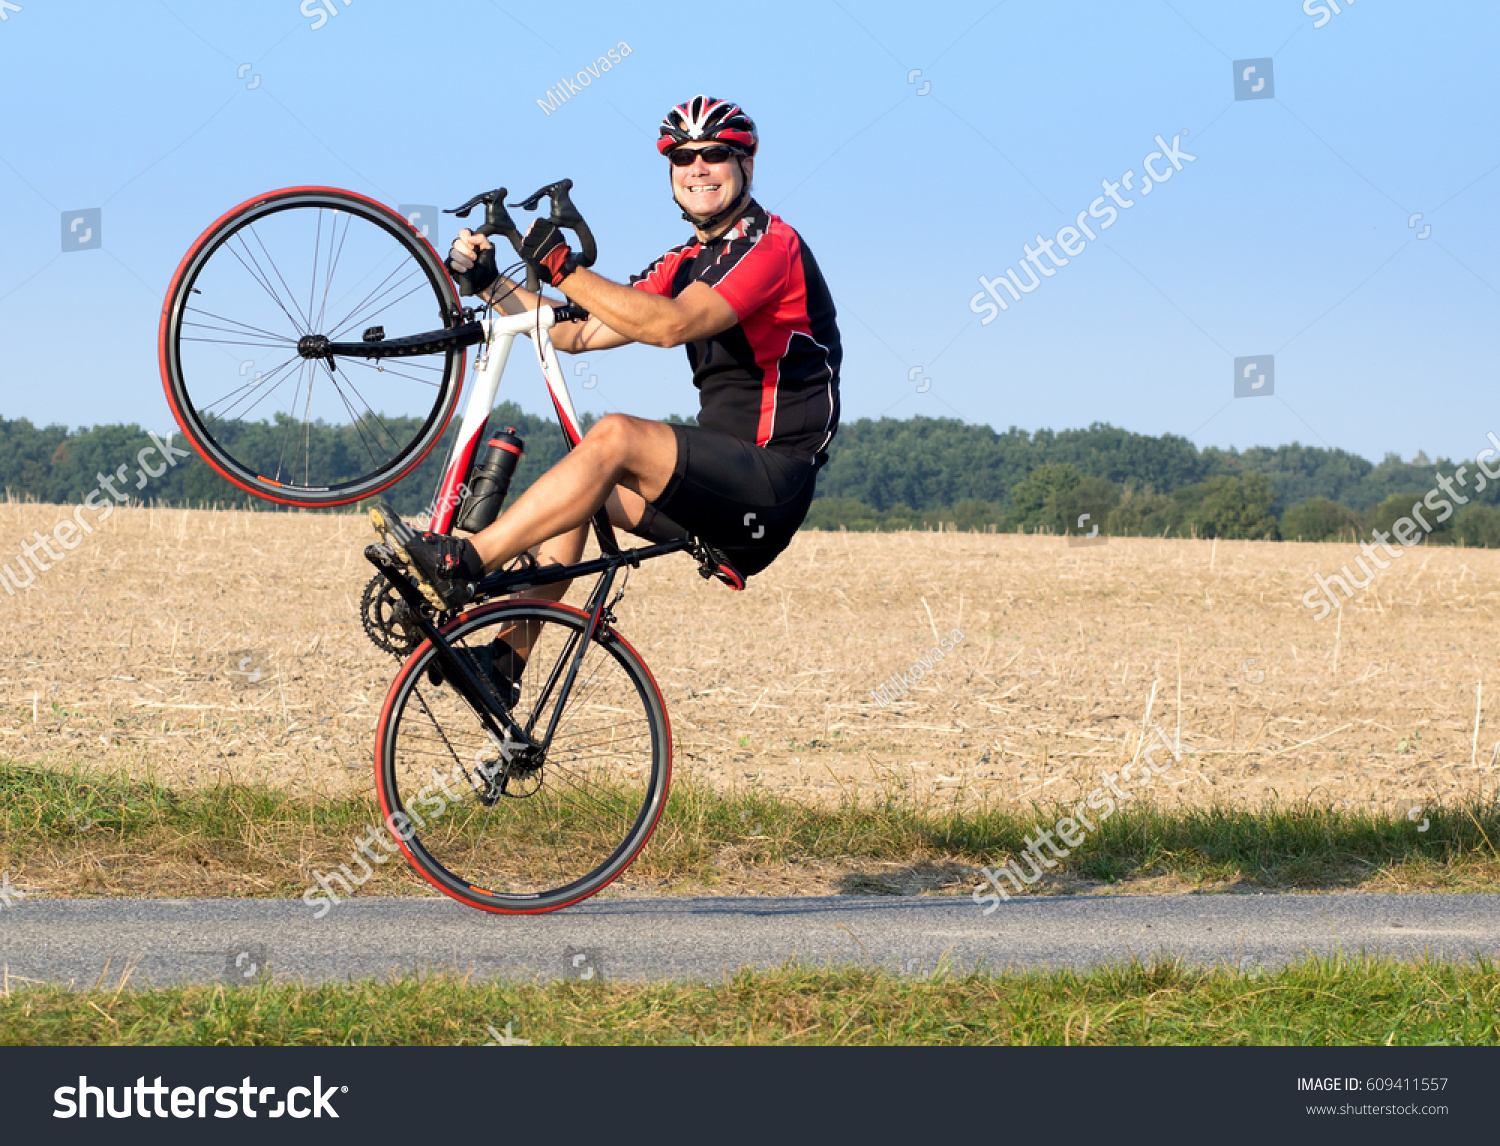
[[430, 342]]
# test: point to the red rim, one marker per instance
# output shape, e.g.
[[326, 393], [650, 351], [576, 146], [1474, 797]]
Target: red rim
[[161, 345], [385, 804]]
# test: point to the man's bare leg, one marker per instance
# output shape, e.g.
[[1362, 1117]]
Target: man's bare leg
[[633, 453], [625, 511], [619, 451]]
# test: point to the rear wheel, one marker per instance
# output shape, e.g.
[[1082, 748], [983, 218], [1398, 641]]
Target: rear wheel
[[509, 833], [308, 261]]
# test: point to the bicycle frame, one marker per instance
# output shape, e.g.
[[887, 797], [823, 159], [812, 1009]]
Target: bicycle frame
[[500, 333]]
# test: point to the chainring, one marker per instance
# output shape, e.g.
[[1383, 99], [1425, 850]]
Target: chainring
[[387, 619]]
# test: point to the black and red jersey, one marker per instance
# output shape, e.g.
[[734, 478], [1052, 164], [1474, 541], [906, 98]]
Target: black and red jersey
[[773, 379]]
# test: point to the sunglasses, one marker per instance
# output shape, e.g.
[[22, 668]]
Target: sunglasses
[[684, 156]]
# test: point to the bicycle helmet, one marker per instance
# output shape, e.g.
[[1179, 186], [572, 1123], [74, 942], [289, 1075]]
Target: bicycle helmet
[[705, 118]]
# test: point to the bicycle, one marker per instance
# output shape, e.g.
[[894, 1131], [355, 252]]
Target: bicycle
[[520, 795]]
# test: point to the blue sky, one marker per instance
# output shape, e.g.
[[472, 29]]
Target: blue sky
[[1288, 235]]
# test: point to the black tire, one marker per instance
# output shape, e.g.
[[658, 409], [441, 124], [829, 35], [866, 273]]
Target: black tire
[[563, 831], [233, 303]]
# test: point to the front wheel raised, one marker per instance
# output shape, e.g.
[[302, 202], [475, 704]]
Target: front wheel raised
[[274, 276]]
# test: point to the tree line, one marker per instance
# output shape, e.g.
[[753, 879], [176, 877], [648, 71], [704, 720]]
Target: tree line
[[53, 464], [888, 474], [892, 474]]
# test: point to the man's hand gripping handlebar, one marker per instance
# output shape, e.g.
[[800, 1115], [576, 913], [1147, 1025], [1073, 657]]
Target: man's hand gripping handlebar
[[497, 221]]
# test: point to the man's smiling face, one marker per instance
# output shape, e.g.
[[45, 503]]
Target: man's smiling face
[[704, 189]]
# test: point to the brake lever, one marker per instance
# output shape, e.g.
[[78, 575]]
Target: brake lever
[[497, 220], [563, 214], [463, 211], [563, 210]]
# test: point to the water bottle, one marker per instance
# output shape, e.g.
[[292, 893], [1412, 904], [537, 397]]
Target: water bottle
[[489, 481]]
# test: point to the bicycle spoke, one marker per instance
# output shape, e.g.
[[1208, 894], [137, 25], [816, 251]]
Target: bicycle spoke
[[438, 728], [371, 409], [245, 326], [312, 286], [359, 319], [337, 304], [582, 688], [588, 795], [333, 262], [237, 342], [345, 363], [558, 770], [301, 376], [251, 408], [306, 321], [350, 318], [260, 277], [307, 434], [577, 748], [358, 423], [254, 382], [569, 825]]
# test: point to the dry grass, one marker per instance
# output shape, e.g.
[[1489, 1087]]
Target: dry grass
[[116, 660]]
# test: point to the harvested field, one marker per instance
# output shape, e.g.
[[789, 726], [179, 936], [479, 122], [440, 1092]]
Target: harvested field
[[140, 651]]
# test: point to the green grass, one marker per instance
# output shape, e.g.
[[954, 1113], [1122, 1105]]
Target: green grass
[[108, 835], [1336, 1001]]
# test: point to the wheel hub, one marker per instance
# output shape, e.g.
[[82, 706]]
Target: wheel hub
[[315, 346]]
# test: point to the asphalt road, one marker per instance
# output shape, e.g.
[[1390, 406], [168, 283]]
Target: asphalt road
[[161, 941]]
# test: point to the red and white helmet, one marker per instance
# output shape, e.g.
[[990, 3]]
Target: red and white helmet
[[706, 118]]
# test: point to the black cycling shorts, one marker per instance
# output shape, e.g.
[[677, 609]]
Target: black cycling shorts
[[742, 499]]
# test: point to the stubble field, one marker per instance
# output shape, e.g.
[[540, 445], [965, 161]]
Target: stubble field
[[195, 646]]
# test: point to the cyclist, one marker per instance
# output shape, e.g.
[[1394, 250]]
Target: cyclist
[[745, 297]]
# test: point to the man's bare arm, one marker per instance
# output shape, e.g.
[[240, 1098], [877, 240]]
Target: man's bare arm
[[618, 314], [511, 298], [638, 316]]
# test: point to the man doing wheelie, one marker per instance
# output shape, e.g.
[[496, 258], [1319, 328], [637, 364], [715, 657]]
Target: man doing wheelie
[[745, 297]]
